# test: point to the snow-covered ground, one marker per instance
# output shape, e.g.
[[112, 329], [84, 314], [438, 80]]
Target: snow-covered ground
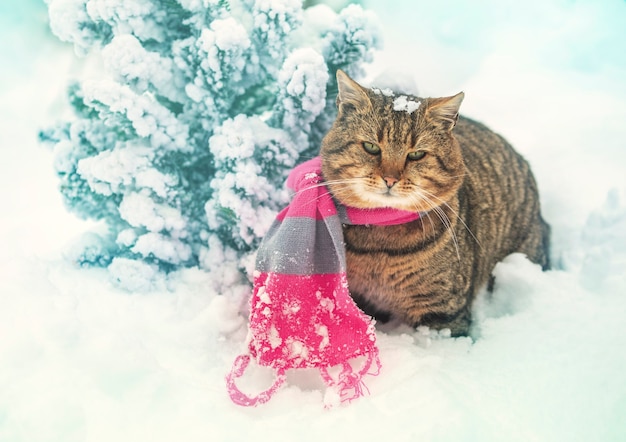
[[83, 361]]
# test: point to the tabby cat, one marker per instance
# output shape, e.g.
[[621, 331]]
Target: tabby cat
[[477, 200]]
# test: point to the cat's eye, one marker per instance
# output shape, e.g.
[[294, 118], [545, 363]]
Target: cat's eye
[[415, 156], [371, 148]]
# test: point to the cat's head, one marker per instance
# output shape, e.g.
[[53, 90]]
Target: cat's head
[[392, 150]]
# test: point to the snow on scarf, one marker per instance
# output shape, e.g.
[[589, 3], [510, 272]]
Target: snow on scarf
[[301, 312]]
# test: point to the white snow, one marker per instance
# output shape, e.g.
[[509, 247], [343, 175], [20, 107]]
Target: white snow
[[229, 35], [135, 276], [405, 104], [387, 92], [296, 349], [126, 58], [274, 338], [291, 308], [303, 73], [272, 18], [303, 77], [163, 247], [142, 211], [234, 145], [81, 360], [322, 330], [224, 43], [111, 170], [148, 118], [264, 296]]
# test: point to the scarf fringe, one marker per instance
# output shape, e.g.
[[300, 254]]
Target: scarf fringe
[[349, 384], [240, 398]]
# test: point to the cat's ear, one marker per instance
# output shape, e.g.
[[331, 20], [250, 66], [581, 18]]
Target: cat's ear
[[445, 111], [350, 93]]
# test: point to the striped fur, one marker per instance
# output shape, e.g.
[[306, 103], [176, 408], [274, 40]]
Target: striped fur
[[478, 199]]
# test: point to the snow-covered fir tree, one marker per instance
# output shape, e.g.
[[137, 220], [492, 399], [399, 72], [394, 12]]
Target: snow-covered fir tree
[[183, 142]]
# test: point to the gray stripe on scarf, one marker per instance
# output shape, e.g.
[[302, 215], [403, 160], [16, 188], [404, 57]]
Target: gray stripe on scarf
[[304, 246]]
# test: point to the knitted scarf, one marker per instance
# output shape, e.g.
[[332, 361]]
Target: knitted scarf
[[301, 312]]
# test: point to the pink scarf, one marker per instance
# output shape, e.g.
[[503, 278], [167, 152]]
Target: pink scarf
[[301, 312]]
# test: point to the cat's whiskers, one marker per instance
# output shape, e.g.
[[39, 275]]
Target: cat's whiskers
[[345, 186], [442, 202], [326, 183], [448, 224], [345, 182], [441, 214], [342, 189], [418, 199], [358, 189]]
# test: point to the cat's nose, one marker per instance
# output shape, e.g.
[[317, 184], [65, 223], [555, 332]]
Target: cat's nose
[[390, 181]]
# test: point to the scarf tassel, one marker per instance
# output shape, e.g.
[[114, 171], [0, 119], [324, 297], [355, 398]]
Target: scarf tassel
[[349, 384], [240, 398]]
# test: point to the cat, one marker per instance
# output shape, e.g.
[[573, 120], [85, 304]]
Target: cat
[[476, 196]]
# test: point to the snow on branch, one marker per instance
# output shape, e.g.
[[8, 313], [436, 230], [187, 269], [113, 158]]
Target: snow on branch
[[202, 109]]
